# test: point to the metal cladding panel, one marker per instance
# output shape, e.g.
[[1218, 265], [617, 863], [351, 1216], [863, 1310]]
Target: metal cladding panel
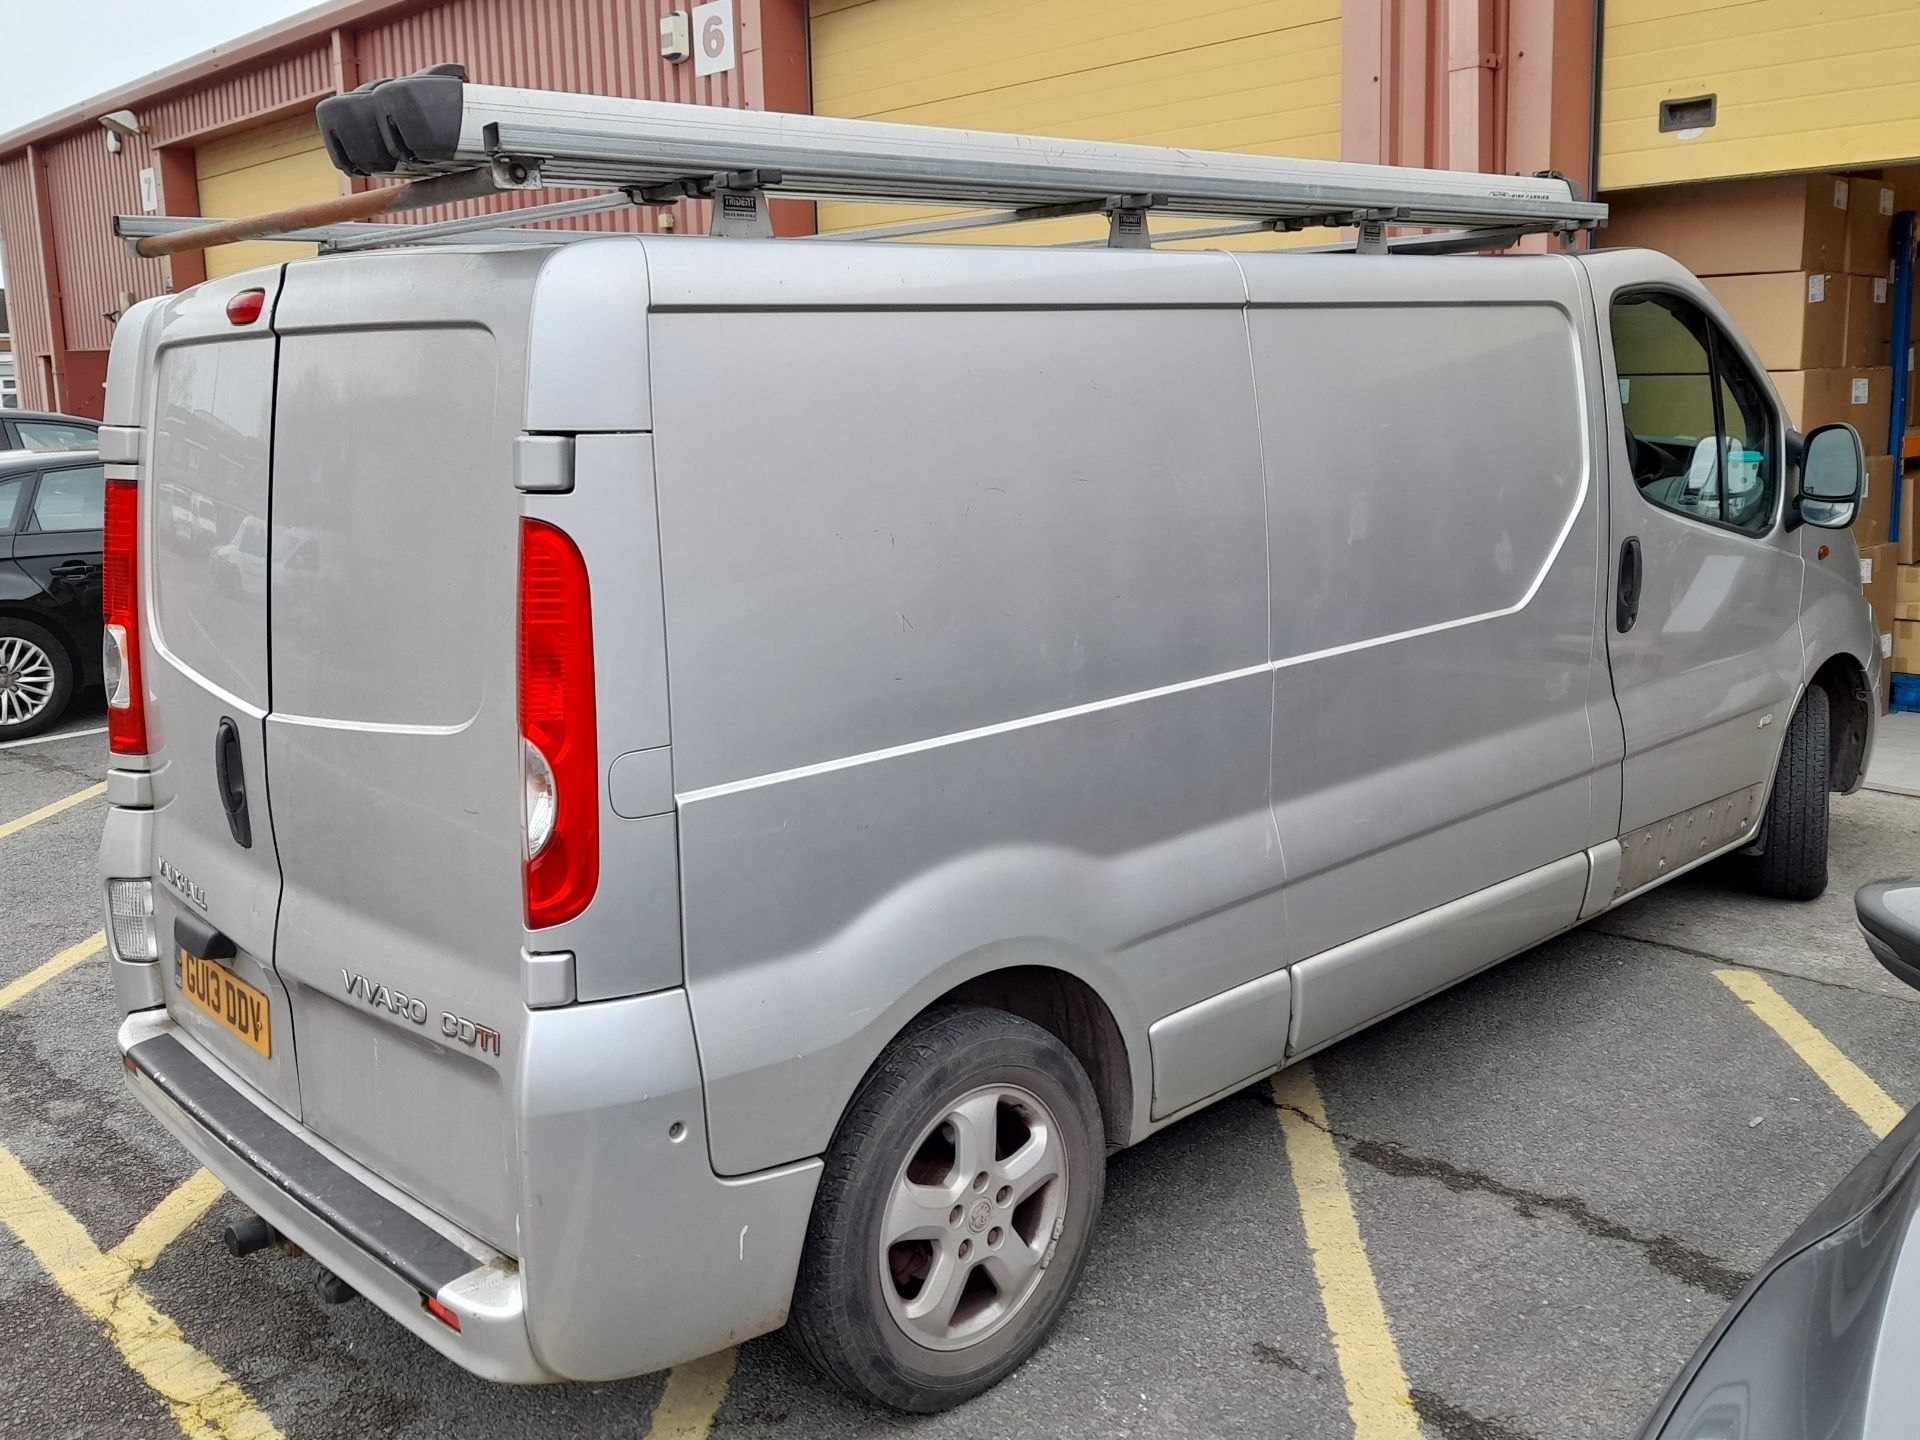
[[1258, 76], [1797, 87], [89, 185], [279, 84], [599, 47], [26, 302]]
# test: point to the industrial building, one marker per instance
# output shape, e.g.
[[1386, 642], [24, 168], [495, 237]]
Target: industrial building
[[1625, 95]]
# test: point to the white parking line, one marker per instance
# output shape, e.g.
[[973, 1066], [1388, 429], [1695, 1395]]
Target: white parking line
[[46, 739]]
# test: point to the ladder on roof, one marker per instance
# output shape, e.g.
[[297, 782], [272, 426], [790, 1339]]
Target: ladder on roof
[[454, 140]]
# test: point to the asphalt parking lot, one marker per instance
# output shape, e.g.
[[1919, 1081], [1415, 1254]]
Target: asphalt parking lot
[[1553, 1179]]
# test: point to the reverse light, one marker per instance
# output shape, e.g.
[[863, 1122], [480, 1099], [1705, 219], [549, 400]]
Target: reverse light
[[245, 307], [120, 609], [559, 751], [130, 917]]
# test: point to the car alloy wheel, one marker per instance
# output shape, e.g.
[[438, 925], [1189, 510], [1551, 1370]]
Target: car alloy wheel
[[973, 1213], [27, 680]]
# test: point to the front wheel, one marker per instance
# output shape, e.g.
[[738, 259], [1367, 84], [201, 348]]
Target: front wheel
[[954, 1212], [1793, 863]]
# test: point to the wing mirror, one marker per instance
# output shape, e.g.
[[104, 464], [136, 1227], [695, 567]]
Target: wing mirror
[[1833, 477], [1889, 915]]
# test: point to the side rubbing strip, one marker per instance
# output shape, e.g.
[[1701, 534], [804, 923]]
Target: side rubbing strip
[[426, 1259]]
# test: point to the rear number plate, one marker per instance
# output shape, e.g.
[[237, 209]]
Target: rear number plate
[[236, 1005]]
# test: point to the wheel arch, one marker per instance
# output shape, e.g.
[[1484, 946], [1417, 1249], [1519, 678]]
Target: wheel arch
[[1851, 703]]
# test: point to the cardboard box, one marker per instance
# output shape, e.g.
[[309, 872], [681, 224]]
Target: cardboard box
[[1738, 227], [1906, 647], [1869, 248], [1878, 571], [1869, 322], [1870, 526], [1906, 592], [1795, 320], [1860, 398]]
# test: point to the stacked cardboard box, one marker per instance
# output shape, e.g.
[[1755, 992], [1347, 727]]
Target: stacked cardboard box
[[1803, 264], [1906, 620]]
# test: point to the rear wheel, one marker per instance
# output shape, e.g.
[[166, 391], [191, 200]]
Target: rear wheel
[[1793, 863], [953, 1216], [36, 677]]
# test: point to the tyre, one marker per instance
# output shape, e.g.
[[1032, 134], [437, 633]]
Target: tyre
[[1793, 863], [36, 678], [953, 1216]]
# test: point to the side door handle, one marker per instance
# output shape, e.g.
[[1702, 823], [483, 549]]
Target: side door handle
[[71, 567], [1626, 599], [231, 776]]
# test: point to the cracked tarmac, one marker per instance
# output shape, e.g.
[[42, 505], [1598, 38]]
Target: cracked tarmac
[[1555, 1169]]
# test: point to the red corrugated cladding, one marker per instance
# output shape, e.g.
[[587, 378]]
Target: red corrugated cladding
[[607, 47]]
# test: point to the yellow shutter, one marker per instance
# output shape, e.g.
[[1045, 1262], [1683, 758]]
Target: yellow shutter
[[1259, 76], [1797, 86], [267, 168]]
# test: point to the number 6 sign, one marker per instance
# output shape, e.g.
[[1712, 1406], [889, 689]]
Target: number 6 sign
[[713, 37]]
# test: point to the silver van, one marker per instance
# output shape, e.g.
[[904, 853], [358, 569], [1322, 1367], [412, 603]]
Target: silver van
[[750, 767]]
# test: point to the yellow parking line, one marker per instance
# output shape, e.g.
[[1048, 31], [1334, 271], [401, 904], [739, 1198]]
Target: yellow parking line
[[205, 1402], [14, 827], [59, 965], [168, 1221], [1853, 1085], [692, 1398], [1377, 1396]]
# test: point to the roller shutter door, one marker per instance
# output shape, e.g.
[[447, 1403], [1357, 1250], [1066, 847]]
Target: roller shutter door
[[1259, 76], [1795, 86], [266, 168]]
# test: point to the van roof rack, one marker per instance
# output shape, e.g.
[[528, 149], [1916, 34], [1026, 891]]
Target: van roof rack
[[452, 140]]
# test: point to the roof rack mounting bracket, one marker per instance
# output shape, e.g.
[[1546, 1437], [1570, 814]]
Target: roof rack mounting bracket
[[1127, 221]]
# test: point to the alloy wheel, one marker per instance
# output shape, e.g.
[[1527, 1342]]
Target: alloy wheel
[[26, 680], [974, 1212]]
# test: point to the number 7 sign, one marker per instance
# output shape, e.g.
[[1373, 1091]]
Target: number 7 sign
[[713, 37]]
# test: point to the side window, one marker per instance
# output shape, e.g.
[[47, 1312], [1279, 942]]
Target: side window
[[73, 499], [10, 493], [1700, 435], [52, 435]]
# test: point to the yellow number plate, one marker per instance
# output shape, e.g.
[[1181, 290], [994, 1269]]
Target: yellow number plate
[[234, 1003]]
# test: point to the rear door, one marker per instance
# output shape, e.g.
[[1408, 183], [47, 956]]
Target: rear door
[[394, 743], [1703, 618], [207, 679], [59, 546]]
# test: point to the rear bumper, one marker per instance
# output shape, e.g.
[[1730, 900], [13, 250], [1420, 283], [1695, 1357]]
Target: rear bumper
[[634, 1255], [392, 1251]]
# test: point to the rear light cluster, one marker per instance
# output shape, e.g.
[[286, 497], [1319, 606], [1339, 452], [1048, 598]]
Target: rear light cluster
[[130, 913], [559, 753], [120, 608]]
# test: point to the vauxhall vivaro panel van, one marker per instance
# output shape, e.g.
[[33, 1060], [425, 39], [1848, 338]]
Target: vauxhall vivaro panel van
[[750, 767]]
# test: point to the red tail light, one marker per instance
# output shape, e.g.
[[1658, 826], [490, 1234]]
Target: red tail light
[[120, 608], [559, 753]]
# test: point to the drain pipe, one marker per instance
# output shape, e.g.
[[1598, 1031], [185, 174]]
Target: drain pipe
[[1593, 114]]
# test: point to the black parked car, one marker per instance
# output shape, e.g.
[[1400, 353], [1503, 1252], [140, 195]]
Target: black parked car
[[51, 505], [44, 430]]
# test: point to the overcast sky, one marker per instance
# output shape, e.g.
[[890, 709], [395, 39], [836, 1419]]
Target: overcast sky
[[60, 52]]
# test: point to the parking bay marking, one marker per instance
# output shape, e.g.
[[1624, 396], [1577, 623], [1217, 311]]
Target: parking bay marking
[[1856, 1089], [58, 965], [47, 812], [204, 1400], [1378, 1399], [692, 1398]]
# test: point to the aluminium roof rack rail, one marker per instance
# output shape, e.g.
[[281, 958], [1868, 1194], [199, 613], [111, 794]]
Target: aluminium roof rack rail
[[454, 139]]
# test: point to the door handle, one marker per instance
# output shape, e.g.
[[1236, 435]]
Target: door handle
[[231, 775], [1626, 599], [71, 567]]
